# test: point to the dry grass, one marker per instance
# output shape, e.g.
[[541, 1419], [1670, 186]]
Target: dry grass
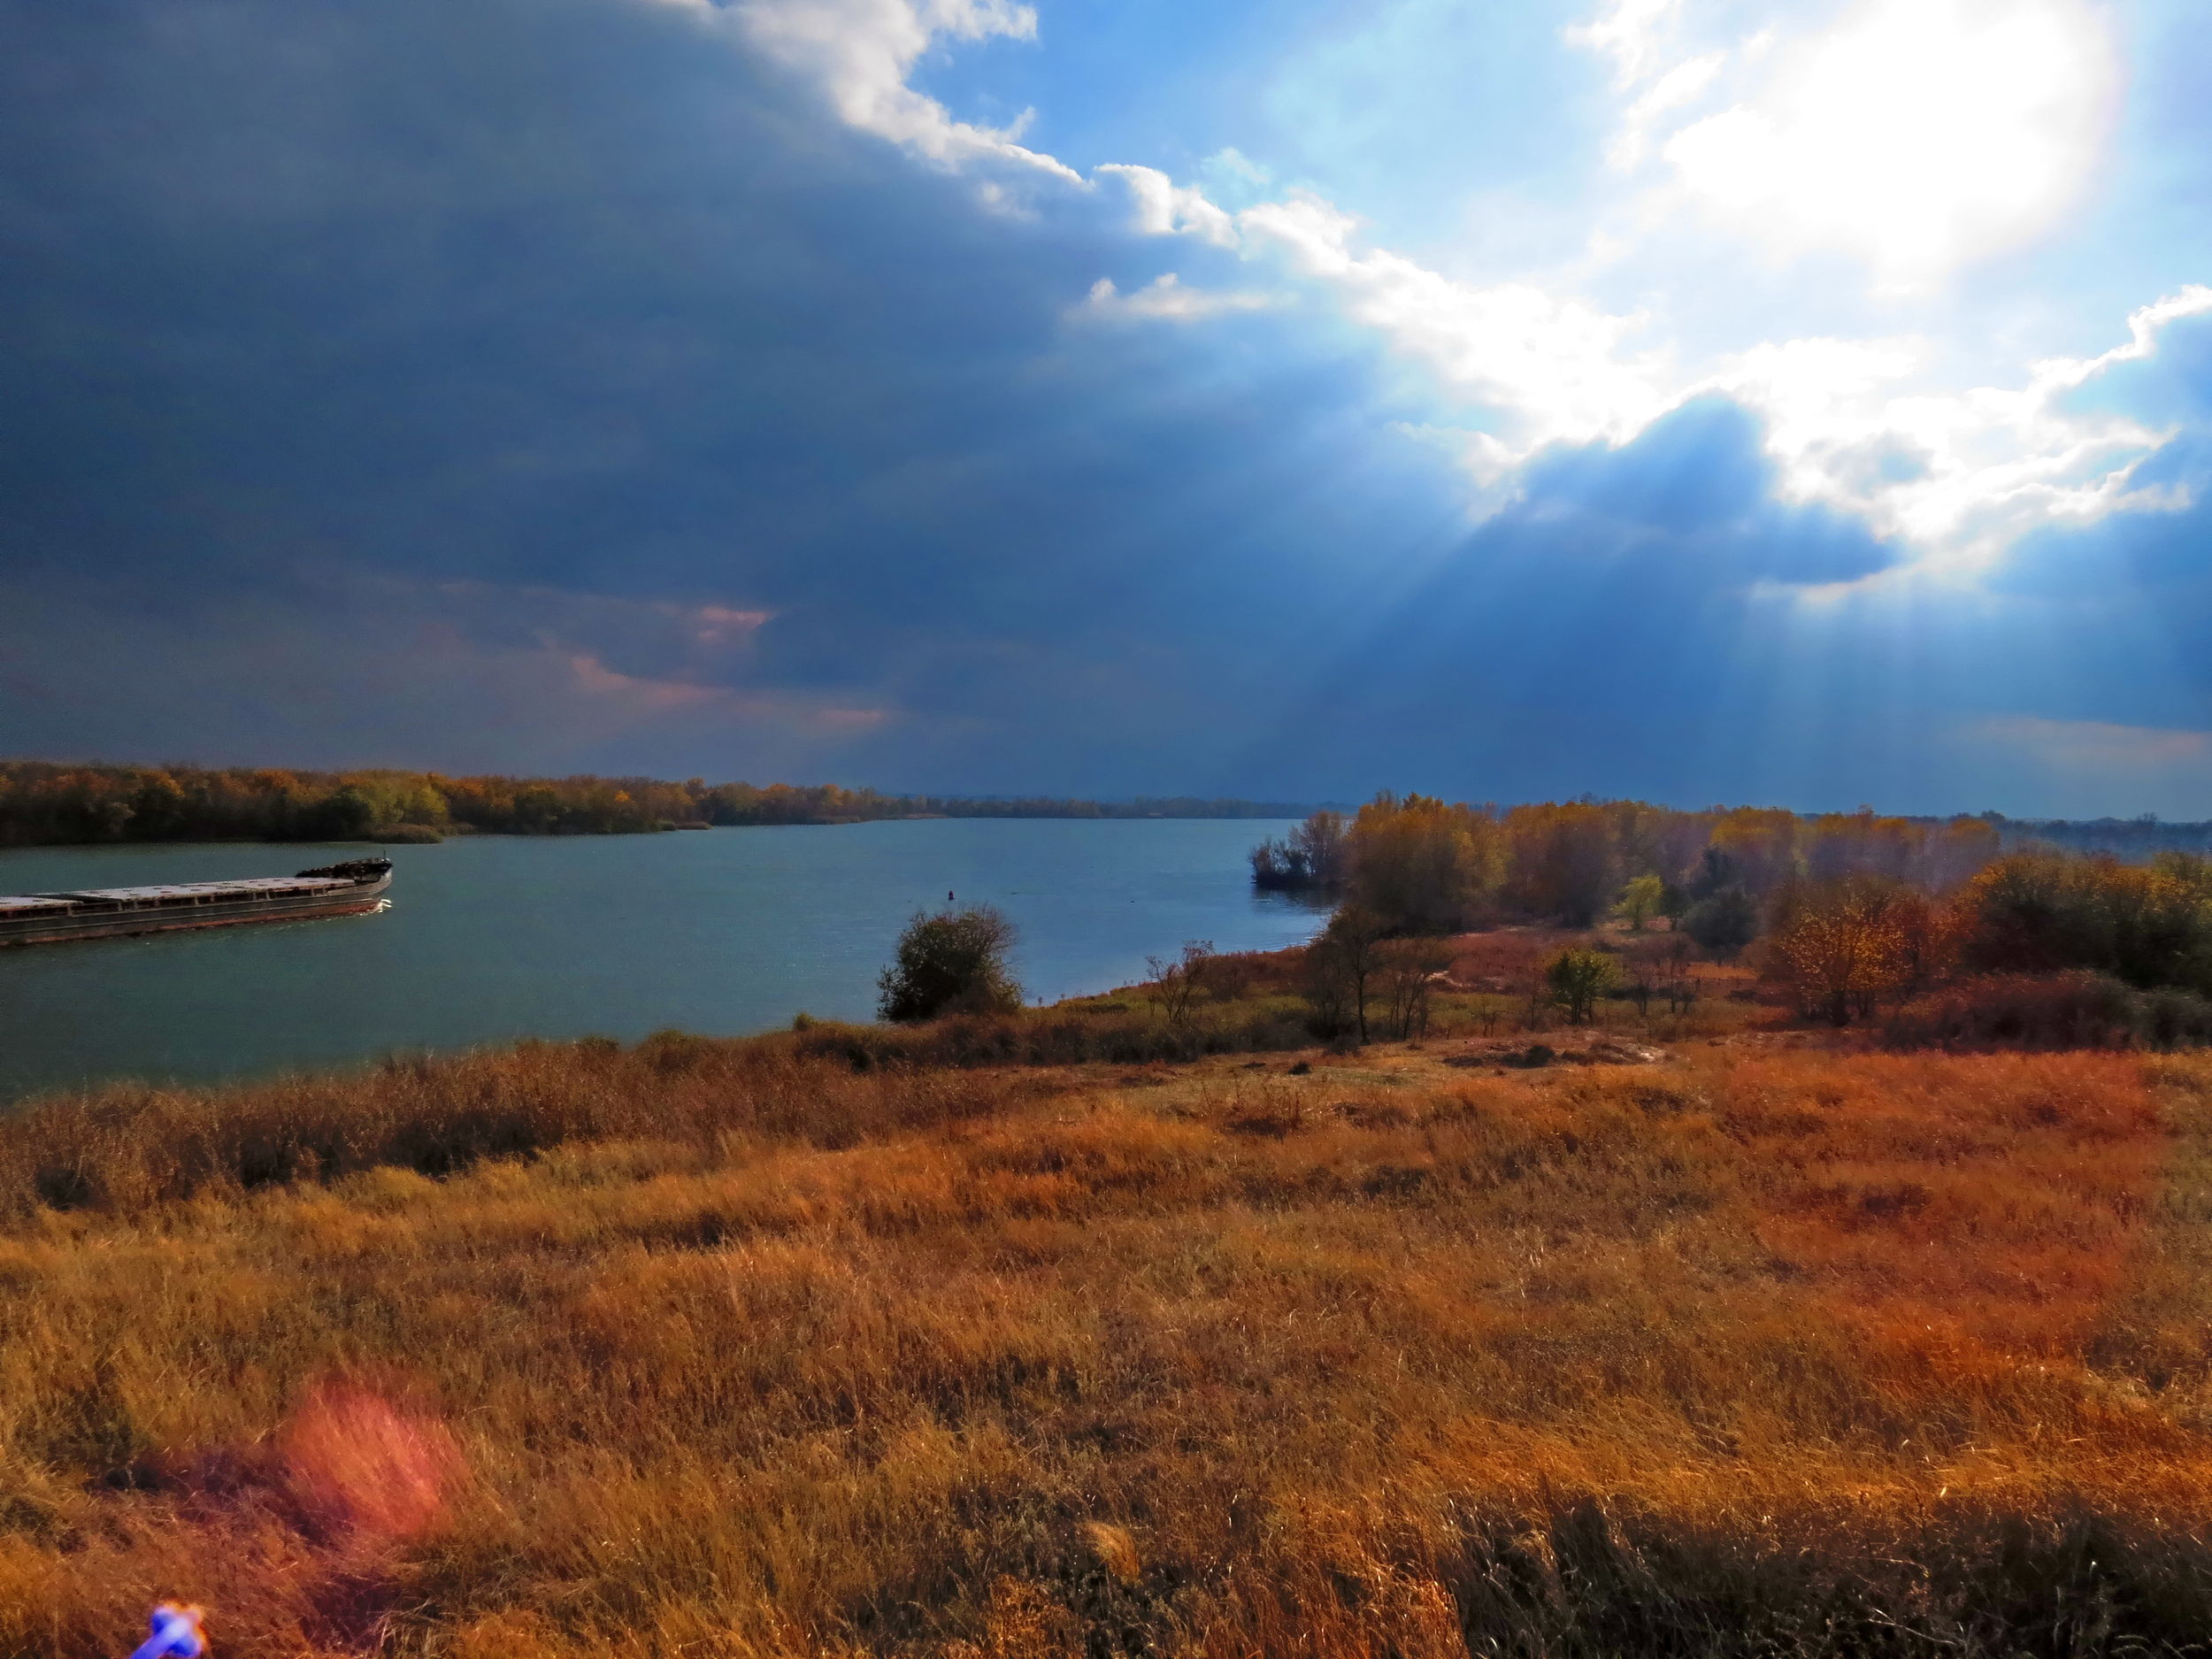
[[725, 1350]]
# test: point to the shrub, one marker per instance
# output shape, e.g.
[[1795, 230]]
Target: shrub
[[954, 962], [2040, 912], [1313, 855], [2072, 1009], [1177, 980], [2171, 1018], [1723, 923]]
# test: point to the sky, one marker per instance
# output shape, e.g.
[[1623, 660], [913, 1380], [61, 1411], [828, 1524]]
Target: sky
[[1701, 400]]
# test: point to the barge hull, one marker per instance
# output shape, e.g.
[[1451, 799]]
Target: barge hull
[[131, 926], [121, 913]]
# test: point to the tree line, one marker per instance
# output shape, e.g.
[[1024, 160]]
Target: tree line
[[1849, 913], [1423, 865], [45, 803]]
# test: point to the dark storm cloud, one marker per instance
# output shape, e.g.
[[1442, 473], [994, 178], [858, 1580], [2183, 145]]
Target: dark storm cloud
[[1691, 497], [469, 303]]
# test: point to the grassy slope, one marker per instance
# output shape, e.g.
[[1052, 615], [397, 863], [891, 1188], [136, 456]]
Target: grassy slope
[[746, 1353]]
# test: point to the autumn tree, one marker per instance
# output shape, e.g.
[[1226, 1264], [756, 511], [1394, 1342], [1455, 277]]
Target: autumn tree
[[1840, 844], [1842, 946], [1563, 860], [1420, 866], [2148, 924], [1957, 853], [1760, 846]]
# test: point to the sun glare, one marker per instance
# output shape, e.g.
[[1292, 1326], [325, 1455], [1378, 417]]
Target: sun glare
[[1918, 133]]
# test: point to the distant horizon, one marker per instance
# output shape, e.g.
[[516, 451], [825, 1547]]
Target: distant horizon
[[1258, 806]]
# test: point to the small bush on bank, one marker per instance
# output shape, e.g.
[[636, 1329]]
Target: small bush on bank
[[951, 963], [2076, 1009]]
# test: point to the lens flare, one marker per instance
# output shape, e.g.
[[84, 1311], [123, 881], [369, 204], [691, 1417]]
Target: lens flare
[[176, 1633], [371, 1472]]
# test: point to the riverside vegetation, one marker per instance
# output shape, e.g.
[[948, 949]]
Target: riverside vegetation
[[51, 803], [1850, 915], [1154, 1323], [45, 803]]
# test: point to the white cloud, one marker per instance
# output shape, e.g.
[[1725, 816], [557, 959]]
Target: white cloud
[[860, 52], [1166, 299], [1680, 86], [1165, 208], [1962, 472], [1554, 367], [1635, 34]]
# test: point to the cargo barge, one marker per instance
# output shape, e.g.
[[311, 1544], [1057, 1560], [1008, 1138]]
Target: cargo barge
[[344, 889]]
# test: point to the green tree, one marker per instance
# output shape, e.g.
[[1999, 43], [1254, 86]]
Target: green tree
[[951, 963], [1577, 979], [1640, 900], [346, 814]]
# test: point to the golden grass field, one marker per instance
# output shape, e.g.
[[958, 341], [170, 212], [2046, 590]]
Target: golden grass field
[[721, 1349]]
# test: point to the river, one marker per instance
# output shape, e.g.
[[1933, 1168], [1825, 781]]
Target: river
[[492, 938]]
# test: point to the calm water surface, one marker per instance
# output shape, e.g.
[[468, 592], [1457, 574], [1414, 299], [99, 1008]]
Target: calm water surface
[[490, 938]]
